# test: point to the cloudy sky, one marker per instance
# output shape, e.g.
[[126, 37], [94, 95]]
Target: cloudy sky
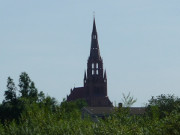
[[50, 40]]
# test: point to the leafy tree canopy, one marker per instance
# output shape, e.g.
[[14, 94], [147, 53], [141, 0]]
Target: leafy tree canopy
[[164, 104]]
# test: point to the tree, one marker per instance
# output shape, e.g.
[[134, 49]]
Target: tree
[[27, 88], [71, 106], [33, 93], [128, 100], [10, 93], [165, 103], [41, 96], [24, 84], [10, 108]]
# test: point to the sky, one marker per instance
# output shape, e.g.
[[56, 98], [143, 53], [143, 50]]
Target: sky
[[50, 40]]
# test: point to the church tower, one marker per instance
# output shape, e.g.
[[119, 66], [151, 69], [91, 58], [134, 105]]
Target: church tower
[[95, 79]]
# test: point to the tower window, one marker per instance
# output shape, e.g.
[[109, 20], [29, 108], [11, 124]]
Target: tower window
[[92, 65], [97, 72], [96, 65], [92, 72], [94, 36]]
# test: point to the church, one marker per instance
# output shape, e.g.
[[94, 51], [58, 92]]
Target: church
[[94, 91]]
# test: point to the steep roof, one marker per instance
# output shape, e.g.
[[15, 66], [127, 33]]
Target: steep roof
[[77, 93], [94, 52]]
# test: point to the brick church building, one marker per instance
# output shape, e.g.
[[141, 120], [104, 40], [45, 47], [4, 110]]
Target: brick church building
[[95, 79]]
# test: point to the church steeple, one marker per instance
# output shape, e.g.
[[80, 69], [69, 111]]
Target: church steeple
[[95, 79], [95, 63], [94, 52]]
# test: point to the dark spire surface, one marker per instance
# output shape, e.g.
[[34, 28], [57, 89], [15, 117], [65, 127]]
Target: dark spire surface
[[94, 27], [105, 76], [84, 75], [94, 53]]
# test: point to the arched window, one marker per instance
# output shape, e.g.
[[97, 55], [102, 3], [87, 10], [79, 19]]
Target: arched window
[[92, 72], [97, 72], [92, 65], [96, 65]]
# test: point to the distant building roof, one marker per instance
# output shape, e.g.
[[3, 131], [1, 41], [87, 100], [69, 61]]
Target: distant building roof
[[137, 110], [108, 110], [99, 110]]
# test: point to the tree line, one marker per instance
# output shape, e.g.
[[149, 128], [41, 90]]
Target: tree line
[[26, 111]]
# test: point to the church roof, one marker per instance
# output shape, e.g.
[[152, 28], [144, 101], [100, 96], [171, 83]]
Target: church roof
[[77, 93], [99, 110], [109, 110]]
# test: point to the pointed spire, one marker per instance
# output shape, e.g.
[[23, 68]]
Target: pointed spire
[[84, 75], [94, 27], [94, 53], [105, 76]]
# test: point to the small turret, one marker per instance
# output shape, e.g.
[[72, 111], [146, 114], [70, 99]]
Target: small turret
[[85, 75], [85, 78], [71, 90], [105, 76]]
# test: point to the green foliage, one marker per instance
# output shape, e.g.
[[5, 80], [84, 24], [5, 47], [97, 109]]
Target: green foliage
[[128, 100], [165, 104], [13, 105], [24, 84], [10, 93], [73, 105], [33, 113], [27, 87], [39, 119], [72, 108]]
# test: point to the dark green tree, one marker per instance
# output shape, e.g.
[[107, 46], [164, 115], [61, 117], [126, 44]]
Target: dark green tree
[[24, 84], [41, 96], [10, 93], [70, 106], [33, 93], [27, 88], [165, 104], [10, 110]]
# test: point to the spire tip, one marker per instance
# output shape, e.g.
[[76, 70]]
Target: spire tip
[[94, 15]]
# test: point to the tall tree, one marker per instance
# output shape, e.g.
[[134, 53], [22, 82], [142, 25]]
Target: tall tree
[[33, 93], [27, 88], [10, 93], [24, 84]]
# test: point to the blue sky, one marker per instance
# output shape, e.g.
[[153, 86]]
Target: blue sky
[[50, 40]]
